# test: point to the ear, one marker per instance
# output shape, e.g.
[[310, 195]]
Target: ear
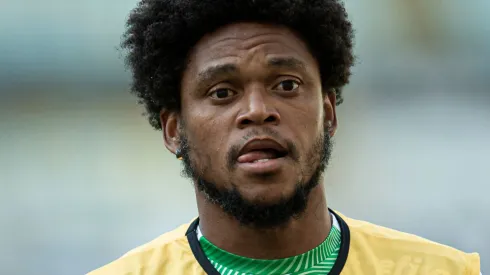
[[329, 104], [170, 128]]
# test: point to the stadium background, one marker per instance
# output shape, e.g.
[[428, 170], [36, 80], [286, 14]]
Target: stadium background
[[84, 178]]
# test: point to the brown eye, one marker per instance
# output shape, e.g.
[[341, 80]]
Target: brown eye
[[287, 85], [222, 93]]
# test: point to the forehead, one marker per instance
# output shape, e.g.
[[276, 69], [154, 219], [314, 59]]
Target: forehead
[[244, 42]]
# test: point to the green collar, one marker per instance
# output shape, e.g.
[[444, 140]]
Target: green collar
[[321, 258]]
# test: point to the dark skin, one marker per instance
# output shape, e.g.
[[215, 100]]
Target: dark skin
[[245, 77]]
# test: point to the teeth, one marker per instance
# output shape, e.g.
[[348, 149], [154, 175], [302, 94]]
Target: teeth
[[261, 160]]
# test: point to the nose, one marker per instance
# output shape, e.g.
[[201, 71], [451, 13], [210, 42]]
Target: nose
[[259, 111]]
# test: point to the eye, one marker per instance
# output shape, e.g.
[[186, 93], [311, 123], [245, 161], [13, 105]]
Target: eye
[[222, 93], [287, 85]]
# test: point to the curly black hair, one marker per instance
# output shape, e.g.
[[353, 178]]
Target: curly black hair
[[161, 33]]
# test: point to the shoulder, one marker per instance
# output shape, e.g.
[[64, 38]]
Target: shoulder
[[396, 246], [151, 257], [367, 230]]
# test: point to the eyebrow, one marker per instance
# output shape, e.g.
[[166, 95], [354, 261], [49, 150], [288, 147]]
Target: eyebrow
[[213, 72], [287, 63], [216, 71]]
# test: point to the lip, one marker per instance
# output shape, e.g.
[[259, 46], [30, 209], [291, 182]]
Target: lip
[[261, 143], [270, 166]]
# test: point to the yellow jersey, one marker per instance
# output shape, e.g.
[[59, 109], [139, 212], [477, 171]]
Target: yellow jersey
[[366, 249]]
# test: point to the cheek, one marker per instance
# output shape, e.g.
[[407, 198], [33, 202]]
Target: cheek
[[209, 123], [208, 150], [206, 138], [306, 124], [308, 117]]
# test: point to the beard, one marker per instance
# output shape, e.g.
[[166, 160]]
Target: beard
[[261, 215]]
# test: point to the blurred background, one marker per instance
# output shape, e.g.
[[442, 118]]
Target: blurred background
[[84, 178]]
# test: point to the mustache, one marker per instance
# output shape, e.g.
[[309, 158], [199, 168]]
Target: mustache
[[234, 151]]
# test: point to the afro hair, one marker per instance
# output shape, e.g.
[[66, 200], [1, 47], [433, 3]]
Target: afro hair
[[161, 33]]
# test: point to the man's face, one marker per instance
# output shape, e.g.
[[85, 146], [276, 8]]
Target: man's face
[[252, 125]]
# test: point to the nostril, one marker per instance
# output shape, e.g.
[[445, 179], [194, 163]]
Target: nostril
[[250, 120], [246, 121], [270, 119]]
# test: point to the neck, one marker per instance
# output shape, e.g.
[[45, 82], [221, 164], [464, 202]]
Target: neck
[[294, 238]]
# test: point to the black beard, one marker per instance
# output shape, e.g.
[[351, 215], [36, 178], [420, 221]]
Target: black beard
[[261, 215]]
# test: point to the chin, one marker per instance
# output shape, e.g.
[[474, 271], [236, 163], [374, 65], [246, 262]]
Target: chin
[[267, 191]]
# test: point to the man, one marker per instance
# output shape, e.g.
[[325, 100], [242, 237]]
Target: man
[[245, 93]]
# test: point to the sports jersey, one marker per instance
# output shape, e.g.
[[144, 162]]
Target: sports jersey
[[365, 249]]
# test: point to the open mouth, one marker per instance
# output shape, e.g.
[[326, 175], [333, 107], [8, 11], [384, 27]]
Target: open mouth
[[262, 150]]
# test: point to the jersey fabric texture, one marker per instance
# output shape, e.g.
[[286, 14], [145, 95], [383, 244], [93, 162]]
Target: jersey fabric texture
[[318, 261], [365, 249]]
